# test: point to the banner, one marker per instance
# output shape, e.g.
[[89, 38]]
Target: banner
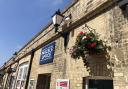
[[47, 54], [62, 84]]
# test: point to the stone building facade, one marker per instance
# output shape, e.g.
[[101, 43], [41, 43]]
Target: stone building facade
[[110, 21]]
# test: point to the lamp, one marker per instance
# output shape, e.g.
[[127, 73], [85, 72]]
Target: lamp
[[57, 19]]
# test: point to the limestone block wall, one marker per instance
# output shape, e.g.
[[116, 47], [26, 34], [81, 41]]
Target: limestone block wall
[[56, 69], [120, 37], [111, 25], [112, 28]]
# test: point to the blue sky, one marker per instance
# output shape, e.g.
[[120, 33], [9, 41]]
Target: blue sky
[[20, 20]]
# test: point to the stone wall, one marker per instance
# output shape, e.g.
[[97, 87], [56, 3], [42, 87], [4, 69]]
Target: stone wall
[[109, 25], [56, 69], [120, 24]]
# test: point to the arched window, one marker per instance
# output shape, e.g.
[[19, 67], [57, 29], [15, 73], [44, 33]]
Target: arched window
[[22, 75]]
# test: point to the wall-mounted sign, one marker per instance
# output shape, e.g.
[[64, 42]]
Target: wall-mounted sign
[[62, 84], [47, 54]]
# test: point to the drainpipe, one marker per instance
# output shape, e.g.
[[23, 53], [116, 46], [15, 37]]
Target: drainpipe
[[29, 69]]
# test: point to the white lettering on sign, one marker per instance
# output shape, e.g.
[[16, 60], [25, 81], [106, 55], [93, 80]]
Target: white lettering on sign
[[46, 53]]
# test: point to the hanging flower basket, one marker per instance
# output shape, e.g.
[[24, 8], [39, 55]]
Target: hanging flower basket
[[87, 43]]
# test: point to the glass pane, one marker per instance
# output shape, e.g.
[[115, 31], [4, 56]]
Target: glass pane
[[11, 82], [25, 73], [18, 83], [20, 73], [22, 84]]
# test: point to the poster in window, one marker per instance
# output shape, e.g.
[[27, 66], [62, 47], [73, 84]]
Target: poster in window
[[31, 84], [47, 54], [62, 84]]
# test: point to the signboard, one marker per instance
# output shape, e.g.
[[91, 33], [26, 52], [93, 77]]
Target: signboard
[[62, 84], [47, 54]]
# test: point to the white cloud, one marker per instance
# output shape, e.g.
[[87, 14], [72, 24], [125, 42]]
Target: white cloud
[[56, 2]]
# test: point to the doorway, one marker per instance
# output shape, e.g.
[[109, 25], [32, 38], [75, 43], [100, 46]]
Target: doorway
[[97, 84], [43, 81]]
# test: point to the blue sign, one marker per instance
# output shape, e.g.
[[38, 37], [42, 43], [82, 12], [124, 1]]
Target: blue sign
[[47, 54]]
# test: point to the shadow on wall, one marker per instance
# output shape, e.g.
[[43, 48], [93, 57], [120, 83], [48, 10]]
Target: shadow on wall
[[99, 65]]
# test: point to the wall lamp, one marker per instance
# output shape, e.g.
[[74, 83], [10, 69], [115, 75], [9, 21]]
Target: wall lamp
[[57, 19]]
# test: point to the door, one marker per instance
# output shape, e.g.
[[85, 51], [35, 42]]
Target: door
[[43, 81]]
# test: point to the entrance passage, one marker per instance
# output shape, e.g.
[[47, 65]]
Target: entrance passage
[[43, 81], [100, 84]]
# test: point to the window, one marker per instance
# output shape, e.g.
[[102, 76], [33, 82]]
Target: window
[[97, 83], [10, 82], [22, 75], [100, 84]]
